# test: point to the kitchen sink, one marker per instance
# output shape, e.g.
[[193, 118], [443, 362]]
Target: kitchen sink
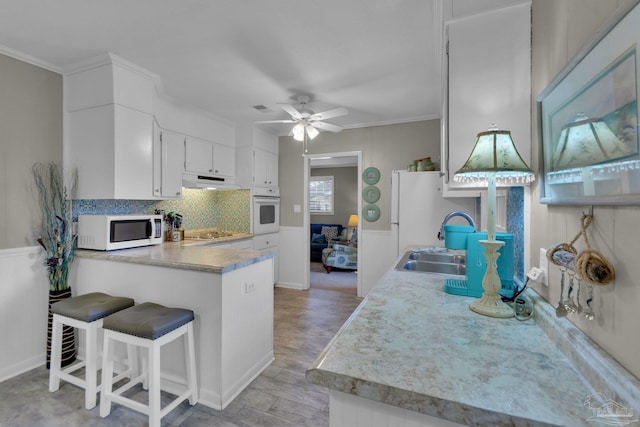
[[449, 263], [445, 257]]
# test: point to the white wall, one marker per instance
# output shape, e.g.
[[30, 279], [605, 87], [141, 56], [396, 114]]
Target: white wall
[[23, 311], [560, 29]]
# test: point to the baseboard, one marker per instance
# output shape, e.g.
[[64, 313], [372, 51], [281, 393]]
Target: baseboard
[[246, 379], [21, 367], [290, 285], [214, 401]]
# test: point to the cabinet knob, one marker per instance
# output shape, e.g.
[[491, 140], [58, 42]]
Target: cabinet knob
[[210, 170], [157, 190], [216, 171], [177, 193]]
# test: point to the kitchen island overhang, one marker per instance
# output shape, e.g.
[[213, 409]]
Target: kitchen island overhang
[[230, 291]]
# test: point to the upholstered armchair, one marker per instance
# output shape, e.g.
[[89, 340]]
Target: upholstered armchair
[[341, 255]]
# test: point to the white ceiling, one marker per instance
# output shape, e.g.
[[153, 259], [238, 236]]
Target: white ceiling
[[380, 59]]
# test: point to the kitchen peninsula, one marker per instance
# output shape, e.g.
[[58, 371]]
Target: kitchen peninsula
[[230, 291], [413, 355]]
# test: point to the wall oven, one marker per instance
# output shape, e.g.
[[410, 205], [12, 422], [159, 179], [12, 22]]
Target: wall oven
[[266, 210], [110, 232]]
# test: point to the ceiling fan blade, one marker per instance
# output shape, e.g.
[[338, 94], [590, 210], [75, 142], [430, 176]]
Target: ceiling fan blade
[[326, 126], [291, 110], [276, 121], [336, 112]]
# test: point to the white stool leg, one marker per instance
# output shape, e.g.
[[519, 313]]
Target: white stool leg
[[107, 376], [190, 357], [55, 354], [132, 361], [153, 375], [91, 362]]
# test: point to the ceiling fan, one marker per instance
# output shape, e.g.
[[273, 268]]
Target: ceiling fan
[[307, 121]]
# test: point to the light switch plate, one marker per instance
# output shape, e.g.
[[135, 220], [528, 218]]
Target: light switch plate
[[297, 208]]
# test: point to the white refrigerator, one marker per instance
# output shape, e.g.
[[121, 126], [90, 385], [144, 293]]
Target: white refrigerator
[[418, 208]]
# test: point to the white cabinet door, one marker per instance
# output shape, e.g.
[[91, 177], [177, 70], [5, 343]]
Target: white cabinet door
[[488, 81], [198, 156], [224, 160], [268, 242], [265, 168], [172, 164], [168, 164], [112, 148], [242, 244]]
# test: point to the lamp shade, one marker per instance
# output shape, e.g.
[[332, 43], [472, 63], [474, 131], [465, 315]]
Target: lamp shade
[[311, 131], [587, 141], [353, 221], [495, 153], [298, 132]]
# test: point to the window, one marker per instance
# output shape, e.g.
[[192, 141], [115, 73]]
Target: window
[[321, 195]]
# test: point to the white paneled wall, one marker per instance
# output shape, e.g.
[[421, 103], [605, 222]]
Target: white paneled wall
[[24, 291], [351, 411]]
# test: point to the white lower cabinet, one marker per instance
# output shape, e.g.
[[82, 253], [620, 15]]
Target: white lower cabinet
[[242, 244], [268, 242]]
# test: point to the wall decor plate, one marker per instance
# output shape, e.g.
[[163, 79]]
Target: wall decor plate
[[371, 194], [371, 213], [371, 175]]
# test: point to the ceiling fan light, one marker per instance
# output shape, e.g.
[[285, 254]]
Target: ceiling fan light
[[298, 132], [311, 131]]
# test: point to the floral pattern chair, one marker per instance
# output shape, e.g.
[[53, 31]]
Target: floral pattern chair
[[341, 255]]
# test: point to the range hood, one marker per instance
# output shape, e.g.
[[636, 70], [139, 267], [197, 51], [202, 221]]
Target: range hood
[[208, 182]]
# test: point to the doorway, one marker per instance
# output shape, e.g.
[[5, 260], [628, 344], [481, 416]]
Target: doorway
[[327, 162]]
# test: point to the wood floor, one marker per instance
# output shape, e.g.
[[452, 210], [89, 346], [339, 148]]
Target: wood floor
[[305, 321]]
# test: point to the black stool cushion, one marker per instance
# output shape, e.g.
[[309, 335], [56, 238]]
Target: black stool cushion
[[148, 320], [90, 307]]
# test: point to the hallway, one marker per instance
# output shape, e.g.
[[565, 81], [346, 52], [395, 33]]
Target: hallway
[[304, 323]]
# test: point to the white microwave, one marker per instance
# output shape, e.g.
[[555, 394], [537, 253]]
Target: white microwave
[[111, 232]]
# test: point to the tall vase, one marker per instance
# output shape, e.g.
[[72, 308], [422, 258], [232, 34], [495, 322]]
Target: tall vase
[[68, 333]]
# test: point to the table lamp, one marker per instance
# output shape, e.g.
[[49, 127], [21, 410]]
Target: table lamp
[[353, 222], [494, 157]]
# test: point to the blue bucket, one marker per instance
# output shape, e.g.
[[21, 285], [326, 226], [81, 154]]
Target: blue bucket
[[455, 236]]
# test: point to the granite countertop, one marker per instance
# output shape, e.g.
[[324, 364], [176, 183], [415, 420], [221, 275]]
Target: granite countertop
[[411, 345], [184, 255]]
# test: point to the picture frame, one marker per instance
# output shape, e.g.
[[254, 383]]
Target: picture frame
[[589, 150]]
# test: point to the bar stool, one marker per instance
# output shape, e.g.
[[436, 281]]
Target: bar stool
[[150, 326], [84, 312]]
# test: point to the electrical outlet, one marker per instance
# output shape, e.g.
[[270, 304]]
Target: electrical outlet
[[544, 266], [249, 287]]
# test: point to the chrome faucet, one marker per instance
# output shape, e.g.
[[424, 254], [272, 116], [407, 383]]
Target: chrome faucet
[[451, 215]]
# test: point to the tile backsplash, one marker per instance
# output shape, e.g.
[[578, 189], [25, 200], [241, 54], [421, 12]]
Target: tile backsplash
[[227, 210], [515, 226]]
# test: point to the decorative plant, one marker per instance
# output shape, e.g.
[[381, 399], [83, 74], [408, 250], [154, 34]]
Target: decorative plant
[[55, 233]]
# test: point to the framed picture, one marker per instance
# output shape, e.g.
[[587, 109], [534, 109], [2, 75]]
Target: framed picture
[[588, 121]]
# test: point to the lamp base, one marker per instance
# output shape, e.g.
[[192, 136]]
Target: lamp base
[[491, 303]]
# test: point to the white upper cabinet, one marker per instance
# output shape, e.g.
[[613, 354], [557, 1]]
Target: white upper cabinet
[[209, 158], [488, 79], [111, 147], [109, 108], [168, 164], [257, 157], [224, 160], [265, 168], [198, 156]]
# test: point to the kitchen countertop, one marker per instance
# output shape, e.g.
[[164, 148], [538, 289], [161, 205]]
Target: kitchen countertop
[[184, 255], [411, 345]]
